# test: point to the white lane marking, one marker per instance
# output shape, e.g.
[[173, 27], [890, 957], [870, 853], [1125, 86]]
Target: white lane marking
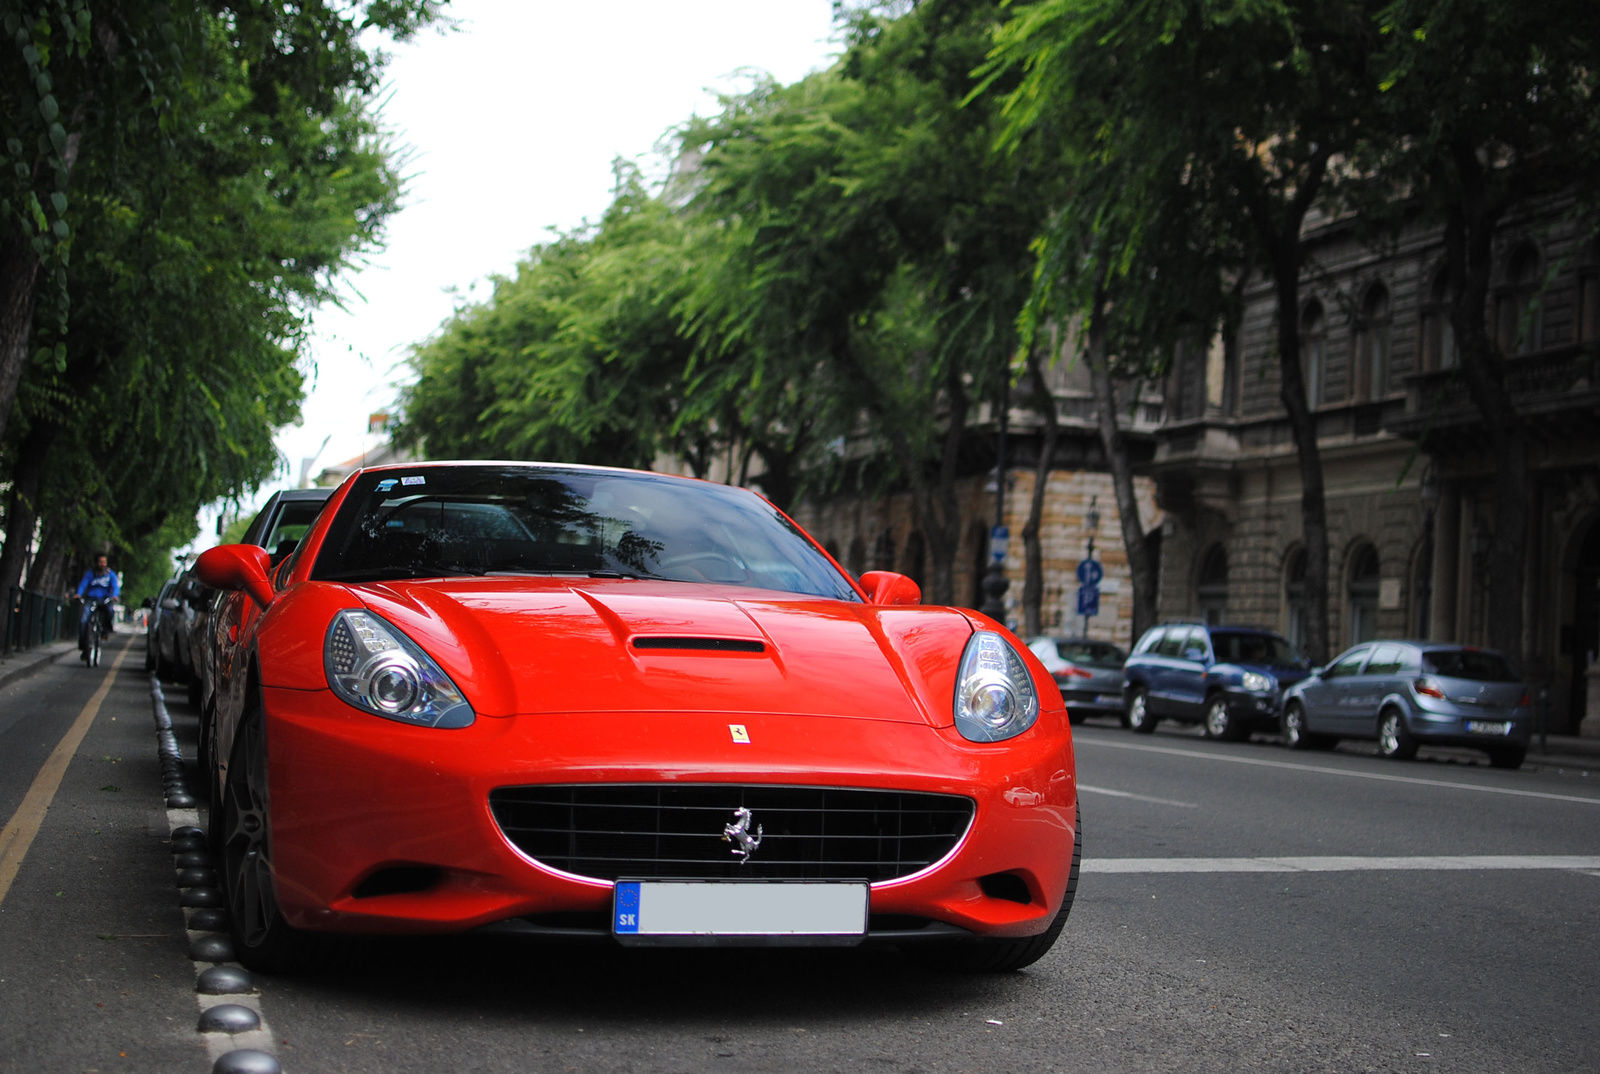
[[1456, 862], [1077, 741], [1136, 797]]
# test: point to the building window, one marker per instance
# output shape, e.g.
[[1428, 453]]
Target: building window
[[1211, 586], [916, 557], [858, 556], [1362, 593], [1589, 300], [1314, 353], [1438, 333], [1516, 314], [1294, 596], [1372, 345]]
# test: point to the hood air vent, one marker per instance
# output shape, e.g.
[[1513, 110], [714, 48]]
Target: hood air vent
[[703, 645]]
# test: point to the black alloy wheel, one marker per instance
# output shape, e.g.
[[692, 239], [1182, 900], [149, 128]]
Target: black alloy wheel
[[262, 940]]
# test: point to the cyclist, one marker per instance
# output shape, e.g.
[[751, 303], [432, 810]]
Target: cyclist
[[100, 583]]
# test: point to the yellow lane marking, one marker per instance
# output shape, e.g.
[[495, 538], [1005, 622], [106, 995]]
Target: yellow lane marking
[[17, 836]]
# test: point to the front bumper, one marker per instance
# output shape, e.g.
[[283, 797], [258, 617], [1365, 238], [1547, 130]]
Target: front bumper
[[352, 795], [1258, 711]]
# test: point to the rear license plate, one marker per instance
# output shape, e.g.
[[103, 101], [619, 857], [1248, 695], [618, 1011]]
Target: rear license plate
[[1108, 699], [1488, 727], [690, 911]]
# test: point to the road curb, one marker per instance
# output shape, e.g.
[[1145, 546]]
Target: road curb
[[237, 1037], [34, 661]]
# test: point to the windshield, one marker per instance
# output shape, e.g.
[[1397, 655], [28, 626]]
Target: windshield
[[482, 520], [1265, 649], [1091, 654], [1471, 664]]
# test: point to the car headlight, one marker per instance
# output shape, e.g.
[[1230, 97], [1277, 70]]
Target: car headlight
[[995, 698], [376, 668], [1257, 683]]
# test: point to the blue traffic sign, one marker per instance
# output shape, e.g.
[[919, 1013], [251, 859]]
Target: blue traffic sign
[[1090, 572], [1088, 600], [999, 539]]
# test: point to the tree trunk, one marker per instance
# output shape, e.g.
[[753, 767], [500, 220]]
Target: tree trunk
[[1469, 249], [1033, 578], [47, 573], [19, 276], [22, 509], [1280, 238], [1115, 445]]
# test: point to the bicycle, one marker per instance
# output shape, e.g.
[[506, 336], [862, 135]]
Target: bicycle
[[94, 631]]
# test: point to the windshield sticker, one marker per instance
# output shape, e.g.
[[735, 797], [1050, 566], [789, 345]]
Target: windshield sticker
[[386, 484], [413, 481]]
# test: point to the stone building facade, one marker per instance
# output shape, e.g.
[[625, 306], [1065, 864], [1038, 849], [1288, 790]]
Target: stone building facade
[[1390, 409]]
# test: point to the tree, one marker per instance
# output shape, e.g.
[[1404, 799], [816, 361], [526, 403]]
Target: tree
[[1241, 108], [1486, 107], [881, 245], [219, 185]]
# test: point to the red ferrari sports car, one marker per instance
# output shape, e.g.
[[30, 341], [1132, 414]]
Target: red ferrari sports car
[[568, 700]]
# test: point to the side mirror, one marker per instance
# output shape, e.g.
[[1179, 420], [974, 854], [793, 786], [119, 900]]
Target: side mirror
[[237, 567], [170, 604], [1317, 670], [887, 587], [1194, 654]]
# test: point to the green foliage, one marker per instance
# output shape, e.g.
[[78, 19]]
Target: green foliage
[[146, 563], [226, 165]]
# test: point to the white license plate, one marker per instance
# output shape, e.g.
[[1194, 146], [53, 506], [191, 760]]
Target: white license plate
[[1108, 699], [695, 909], [1489, 727]]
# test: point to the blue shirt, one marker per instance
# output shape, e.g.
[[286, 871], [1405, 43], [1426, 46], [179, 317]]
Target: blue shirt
[[99, 586]]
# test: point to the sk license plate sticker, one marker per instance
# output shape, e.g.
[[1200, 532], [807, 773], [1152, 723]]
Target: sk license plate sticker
[[689, 909]]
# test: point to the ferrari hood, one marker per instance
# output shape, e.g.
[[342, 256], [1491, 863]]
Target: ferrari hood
[[551, 646]]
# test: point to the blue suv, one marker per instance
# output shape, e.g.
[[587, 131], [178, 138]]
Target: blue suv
[[1228, 678]]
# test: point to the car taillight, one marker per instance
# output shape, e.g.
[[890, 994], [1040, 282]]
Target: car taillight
[[1525, 700], [1429, 688], [1074, 673]]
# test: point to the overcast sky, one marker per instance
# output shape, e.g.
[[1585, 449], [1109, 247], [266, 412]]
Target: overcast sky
[[512, 121]]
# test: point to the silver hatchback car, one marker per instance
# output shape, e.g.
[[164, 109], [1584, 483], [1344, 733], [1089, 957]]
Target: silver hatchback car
[[1406, 694], [1088, 672]]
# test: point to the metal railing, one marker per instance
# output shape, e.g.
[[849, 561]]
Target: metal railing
[[32, 619]]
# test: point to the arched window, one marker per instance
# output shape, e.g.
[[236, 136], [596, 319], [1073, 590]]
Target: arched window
[[1211, 586], [1362, 593], [1372, 345], [1589, 298], [1516, 318], [1438, 334], [858, 556], [1294, 595], [883, 552], [1314, 352], [916, 557]]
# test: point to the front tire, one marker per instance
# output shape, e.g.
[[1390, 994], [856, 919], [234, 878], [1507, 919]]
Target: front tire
[[1220, 723], [1139, 719], [1393, 738], [1294, 727], [262, 940], [1007, 955]]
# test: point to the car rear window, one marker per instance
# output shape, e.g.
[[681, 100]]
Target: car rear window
[[1471, 664], [500, 520], [1091, 654]]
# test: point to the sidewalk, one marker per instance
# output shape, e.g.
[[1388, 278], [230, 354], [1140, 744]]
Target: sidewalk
[[19, 665], [1580, 751]]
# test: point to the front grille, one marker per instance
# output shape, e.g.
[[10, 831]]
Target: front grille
[[606, 831]]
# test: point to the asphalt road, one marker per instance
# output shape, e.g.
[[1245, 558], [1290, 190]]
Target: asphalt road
[[1417, 926]]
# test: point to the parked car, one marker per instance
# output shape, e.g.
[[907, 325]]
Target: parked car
[[1089, 674], [278, 527], [1407, 694], [576, 701], [1228, 678], [152, 639]]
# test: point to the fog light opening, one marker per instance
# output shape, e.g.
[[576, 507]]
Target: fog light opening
[[1007, 886], [399, 880]]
